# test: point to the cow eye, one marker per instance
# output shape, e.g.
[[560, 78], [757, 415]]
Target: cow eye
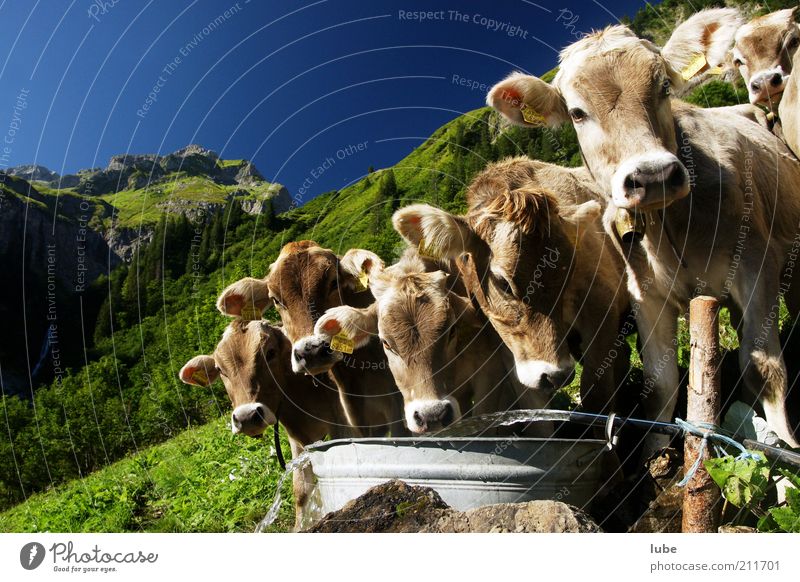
[[793, 43], [504, 285], [220, 372], [665, 88], [577, 114], [452, 333], [738, 62], [387, 346], [278, 303], [334, 284]]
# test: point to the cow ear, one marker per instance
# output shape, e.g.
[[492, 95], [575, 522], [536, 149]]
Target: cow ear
[[359, 325], [439, 278], [357, 267], [436, 233], [199, 371], [701, 44], [528, 101], [469, 275], [247, 298]]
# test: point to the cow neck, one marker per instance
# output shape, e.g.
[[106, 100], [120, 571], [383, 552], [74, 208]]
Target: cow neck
[[670, 241]]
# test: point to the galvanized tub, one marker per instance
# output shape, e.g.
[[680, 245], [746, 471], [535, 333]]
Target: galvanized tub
[[467, 472]]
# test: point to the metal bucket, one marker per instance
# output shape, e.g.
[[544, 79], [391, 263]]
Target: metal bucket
[[467, 472]]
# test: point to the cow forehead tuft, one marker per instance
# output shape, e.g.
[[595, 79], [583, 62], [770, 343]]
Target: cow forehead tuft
[[612, 38]]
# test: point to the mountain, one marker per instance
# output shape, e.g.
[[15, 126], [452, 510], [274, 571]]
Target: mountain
[[33, 172], [62, 233], [124, 200]]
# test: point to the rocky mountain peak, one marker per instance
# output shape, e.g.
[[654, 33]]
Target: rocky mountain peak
[[33, 172]]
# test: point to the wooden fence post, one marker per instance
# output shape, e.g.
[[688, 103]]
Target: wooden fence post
[[701, 497]]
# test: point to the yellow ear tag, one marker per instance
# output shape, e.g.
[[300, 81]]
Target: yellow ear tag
[[342, 343], [250, 312], [531, 116], [716, 71], [362, 282], [695, 66], [427, 251], [200, 377]]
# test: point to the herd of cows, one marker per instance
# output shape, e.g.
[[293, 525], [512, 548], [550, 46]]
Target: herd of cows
[[673, 201]]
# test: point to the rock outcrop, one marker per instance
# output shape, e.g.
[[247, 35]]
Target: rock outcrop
[[398, 507]]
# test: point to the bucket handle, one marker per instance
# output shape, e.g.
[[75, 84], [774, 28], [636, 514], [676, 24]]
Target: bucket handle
[[612, 437]]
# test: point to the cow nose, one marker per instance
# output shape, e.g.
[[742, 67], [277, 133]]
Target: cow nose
[[250, 419], [776, 80], [755, 85], [636, 182], [556, 379], [432, 415], [298, 354]]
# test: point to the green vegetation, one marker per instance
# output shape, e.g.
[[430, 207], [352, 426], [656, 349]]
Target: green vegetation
[[745, 484], [205, 479]]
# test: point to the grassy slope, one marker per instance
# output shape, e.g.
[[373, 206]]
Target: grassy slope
[[205, 479]]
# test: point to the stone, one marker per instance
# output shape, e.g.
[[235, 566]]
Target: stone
[[398, 507]]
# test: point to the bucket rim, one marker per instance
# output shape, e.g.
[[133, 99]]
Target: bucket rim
[[406, 441]]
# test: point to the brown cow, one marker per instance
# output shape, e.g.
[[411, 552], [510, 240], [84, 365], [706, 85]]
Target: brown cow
[[542, 270], [766, 53], [446, 360], [252, 358], [303, 282], [716, 192]]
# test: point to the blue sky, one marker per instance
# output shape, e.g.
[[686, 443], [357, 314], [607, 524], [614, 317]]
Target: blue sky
[[287, 84]]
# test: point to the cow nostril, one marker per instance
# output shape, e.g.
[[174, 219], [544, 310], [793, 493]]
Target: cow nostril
[[298, 355], [258, 413], [673, 175], [546, 382], [776, 80], [419, 420], [631, 183], [448, 415], [755, 86]]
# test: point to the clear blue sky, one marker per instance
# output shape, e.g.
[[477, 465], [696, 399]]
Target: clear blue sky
[[286, 84]]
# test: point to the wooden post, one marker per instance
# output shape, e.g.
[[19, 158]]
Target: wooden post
[[701, 497]]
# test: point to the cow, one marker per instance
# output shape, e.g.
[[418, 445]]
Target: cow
[[253, 360], [304, 281], [765, 52], [446, 360], [534, 254], [716, 193]]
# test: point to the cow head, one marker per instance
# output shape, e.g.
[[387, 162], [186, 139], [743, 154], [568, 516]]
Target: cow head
[[418, 328], [764, 52], [515, 252], [253, 361], [615, 89], [303, 282]]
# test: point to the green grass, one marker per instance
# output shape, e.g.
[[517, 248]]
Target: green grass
[[204, 480], [229, 163]]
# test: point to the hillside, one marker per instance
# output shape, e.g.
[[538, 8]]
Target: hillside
[[121, 394], [202, 480]]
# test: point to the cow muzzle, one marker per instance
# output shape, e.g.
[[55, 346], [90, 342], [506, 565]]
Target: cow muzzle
[[429, 415], [313, 355], [251, 419], [540, 375], [766, 87], [649, 181]]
